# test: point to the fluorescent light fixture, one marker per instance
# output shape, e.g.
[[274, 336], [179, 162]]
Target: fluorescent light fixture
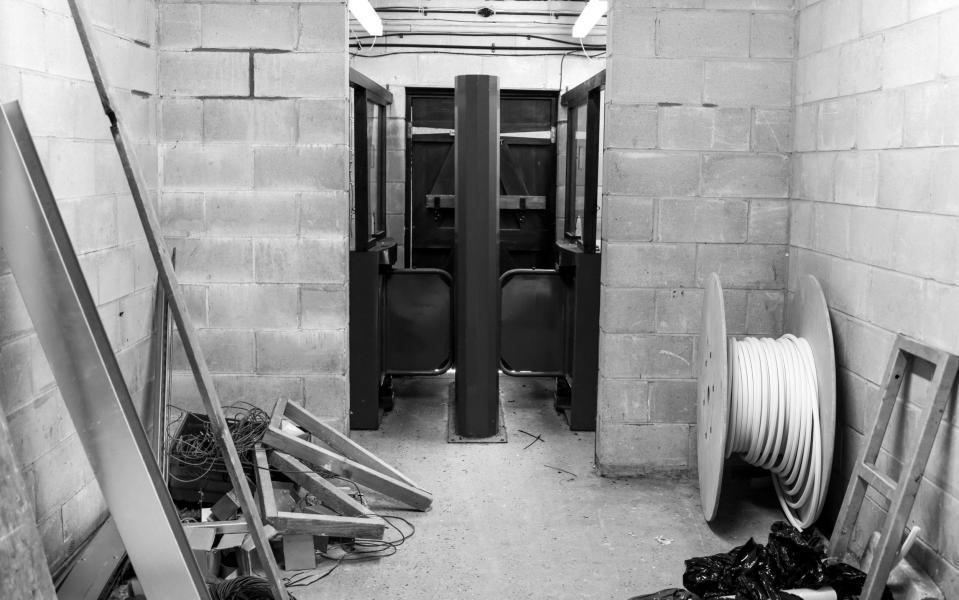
[[592, 13], [364, 13]]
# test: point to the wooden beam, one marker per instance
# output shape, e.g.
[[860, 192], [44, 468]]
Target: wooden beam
[[329, 525], [327, 493], [188, 334], [341, 444], [335, 463], [238, 526], [264, 484]]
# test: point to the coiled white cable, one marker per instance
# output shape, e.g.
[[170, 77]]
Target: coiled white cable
[[774, 420]]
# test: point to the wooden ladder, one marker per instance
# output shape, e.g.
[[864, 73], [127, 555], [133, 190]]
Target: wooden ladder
[[901, 494]]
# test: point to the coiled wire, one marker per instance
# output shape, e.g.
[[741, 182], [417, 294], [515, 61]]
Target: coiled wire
[[774, 420]]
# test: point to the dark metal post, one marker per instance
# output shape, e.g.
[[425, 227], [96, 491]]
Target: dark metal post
[[477, 256]]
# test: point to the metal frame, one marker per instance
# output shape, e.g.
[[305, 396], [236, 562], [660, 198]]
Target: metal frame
[[585, 95], [366, 90], [58, 299], [186, 329], [476, 294]]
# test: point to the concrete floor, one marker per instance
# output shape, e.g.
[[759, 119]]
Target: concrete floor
[[506, 526]]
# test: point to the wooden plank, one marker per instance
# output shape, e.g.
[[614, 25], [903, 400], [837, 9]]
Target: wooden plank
[[279, 409], [188, 334], [341, 444], [332, 526], [327, 493], [264, 484], [224, 527], [578, 94], [335, 463]]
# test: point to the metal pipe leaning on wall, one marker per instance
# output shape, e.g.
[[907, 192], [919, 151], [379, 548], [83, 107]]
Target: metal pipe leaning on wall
[[772, 401]]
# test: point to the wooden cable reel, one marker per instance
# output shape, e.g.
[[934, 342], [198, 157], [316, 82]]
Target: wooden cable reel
[[771, 401]]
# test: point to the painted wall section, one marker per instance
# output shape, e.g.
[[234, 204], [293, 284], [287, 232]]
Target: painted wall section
[[876, 218], [698, 120], [43, 66], [254, 159]]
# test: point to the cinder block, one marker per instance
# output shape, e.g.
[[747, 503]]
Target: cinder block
[[743, 266], [214, 260], [226, 351], [879, 120], [253, 306], [630, 126], [949, 44], [115, 270], [651, 80], [181, 214], [258, 121], [328, 397], [910, 54], [92, 222], [883, 14], [181, 120], [703, 128], [857, 178], [764, 313], [837, 124], [249, 26], [632, 30], [60, 474], [652, 173], [307, 168], [81, 513], [627, 310], [806, 127], [307, 352], [108, 173], [325, 307], [48, 104], [772, 35], [255, 214], [204, 73], [905, 178], [71, 167], [21, 46], [642, 449], [646, 356], [208, 166], [810, 28], [919, 243], [16, 374], [623, 400], [862, 347], [260, 390], [323, 27], [672, 401], [196, 304], [702, 220], [749, 83], [324, 121], [627, 219], [893, 301], [945, 182], [771, 130], [768, 222], [925, 113], [938, 328], [300, 261], [179, 26], [813, 176], [679, 310], [843, 285], [325, 214], [747, 176], [831, 228], [841, 20], [649, 265], [800, 223], [685, 34], [860, 65], [38, 426], [295, 75], [817, 76], [780, 5]]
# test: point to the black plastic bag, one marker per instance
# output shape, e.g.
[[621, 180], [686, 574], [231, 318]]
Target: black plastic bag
[[790, 559]]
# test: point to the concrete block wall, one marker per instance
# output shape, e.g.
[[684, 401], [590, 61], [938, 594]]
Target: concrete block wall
[[43, 66], [876, 218], [253, 161], [697, 136]]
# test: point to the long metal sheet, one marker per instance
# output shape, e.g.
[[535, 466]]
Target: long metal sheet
[[184, 324], [45, 266]]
